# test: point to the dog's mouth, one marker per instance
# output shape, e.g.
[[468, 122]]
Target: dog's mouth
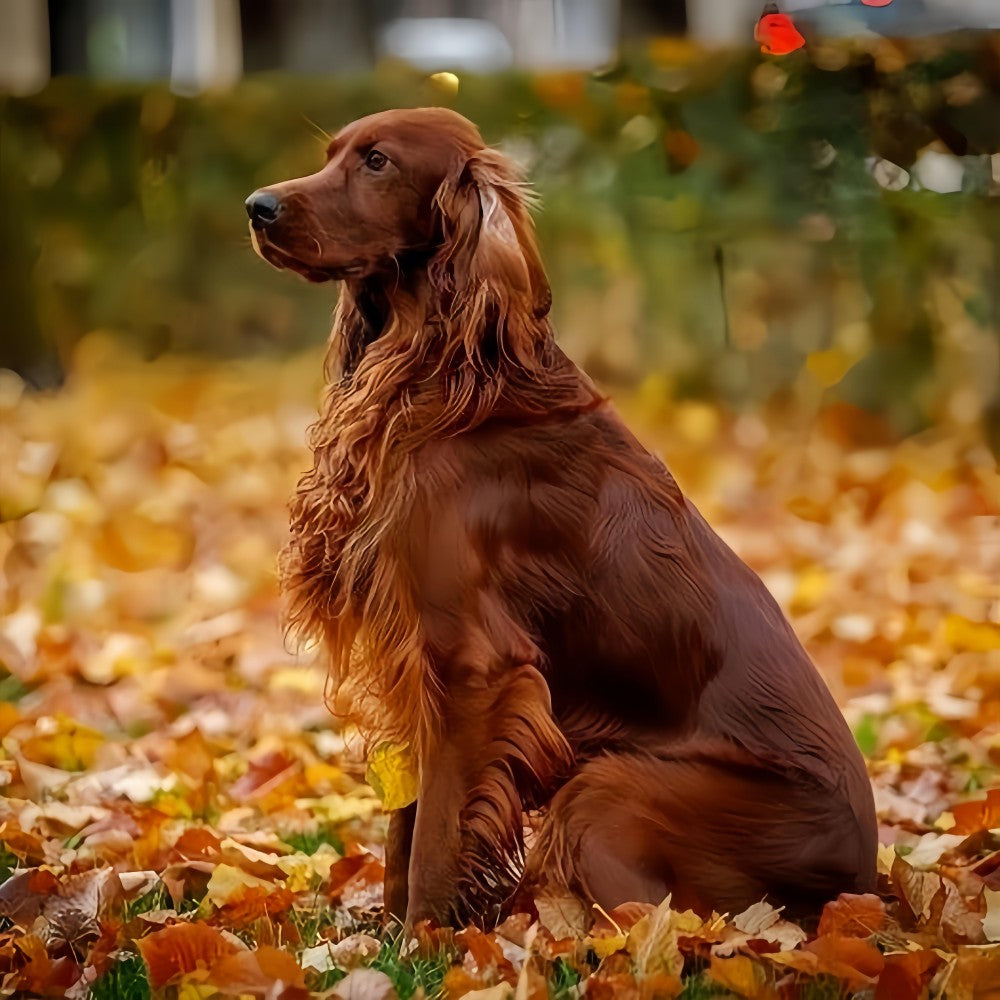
[[282, 259]]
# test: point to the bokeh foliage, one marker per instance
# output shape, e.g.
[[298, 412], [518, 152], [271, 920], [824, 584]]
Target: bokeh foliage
[[711, 218]]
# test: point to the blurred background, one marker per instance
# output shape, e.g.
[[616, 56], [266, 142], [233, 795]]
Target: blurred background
[[784, 269], [738, 226]]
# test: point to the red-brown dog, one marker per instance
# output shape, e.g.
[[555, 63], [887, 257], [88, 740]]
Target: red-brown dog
[[509, 583]]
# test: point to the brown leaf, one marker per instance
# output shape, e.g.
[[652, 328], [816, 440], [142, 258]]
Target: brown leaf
[[365, 984], [975, 975], [72, 911], [916, 889], [906, 975], [22, 897], [960, 921], [853, 915], [44, 976], [852, 960], [564, 916]]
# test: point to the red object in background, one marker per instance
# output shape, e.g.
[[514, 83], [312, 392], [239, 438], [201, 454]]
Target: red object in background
[[776, 33], [876, 3]]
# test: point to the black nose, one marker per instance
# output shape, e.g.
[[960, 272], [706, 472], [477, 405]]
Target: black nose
[[263, 208]]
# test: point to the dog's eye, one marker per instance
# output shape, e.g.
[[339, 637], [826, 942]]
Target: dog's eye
[[376, 159]]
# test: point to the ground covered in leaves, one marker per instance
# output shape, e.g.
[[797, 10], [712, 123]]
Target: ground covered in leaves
[[181, 817]]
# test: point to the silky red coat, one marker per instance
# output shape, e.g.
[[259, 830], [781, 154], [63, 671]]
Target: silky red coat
[[508, 581]]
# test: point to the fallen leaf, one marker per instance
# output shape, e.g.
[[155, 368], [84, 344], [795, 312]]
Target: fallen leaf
[[180, 949], [906, 975], [502, 991], [852, 960], [852, 915], [991, 922], [756, 917], [742, 975], [980, 814], [563, 916], [267, 973]]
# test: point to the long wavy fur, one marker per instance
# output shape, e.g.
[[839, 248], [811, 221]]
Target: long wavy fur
[[432, 351]]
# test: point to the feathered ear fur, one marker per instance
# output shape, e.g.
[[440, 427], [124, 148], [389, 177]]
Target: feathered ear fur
[[488, 271]]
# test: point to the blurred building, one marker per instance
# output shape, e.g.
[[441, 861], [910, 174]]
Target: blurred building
[[204, 44]]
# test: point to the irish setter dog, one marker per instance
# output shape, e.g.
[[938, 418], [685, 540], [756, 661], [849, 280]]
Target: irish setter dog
[[510, 584]]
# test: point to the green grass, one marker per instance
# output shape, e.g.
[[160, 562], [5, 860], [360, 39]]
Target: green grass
[[311, 841], [700, 987], [824, 988], [11, 689], [410, 974], [313, 920], [562, 980], [8, 862], [125, 980]]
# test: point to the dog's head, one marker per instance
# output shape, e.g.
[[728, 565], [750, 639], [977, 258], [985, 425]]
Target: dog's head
[[401, 191]]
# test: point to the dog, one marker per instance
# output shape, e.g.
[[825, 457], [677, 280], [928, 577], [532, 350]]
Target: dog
[[512, 587]]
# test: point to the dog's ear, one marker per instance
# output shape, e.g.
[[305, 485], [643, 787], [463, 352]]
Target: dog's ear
[[489, 256]]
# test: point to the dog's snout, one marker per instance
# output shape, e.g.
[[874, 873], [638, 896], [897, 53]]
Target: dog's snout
[[263, 207]]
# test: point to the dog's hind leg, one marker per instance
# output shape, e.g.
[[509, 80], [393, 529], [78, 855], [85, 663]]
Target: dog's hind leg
[[716, 835]]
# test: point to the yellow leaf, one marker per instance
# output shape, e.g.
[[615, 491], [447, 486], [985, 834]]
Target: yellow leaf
[[189, 990], [604, 946], [320, 776], [132, 542], [991, 922], [829, 367], [392, 773], [652, 942], [979, 637], [60, 742], [697, 423], [811, 588], [740, 974], [227, 881], [304, 870]]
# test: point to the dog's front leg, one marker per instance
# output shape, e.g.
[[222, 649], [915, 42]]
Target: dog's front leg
[[435, 855], [500, 752], [398, 847]]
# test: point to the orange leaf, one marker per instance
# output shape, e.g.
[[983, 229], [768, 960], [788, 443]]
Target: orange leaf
[[982, 814], [457, 982], [197, 842], [852, 916], [905, 976], [182, 948], [486, 953], [850, 959], [252, 903], [352, 873], [266, 972], [262, 775]]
